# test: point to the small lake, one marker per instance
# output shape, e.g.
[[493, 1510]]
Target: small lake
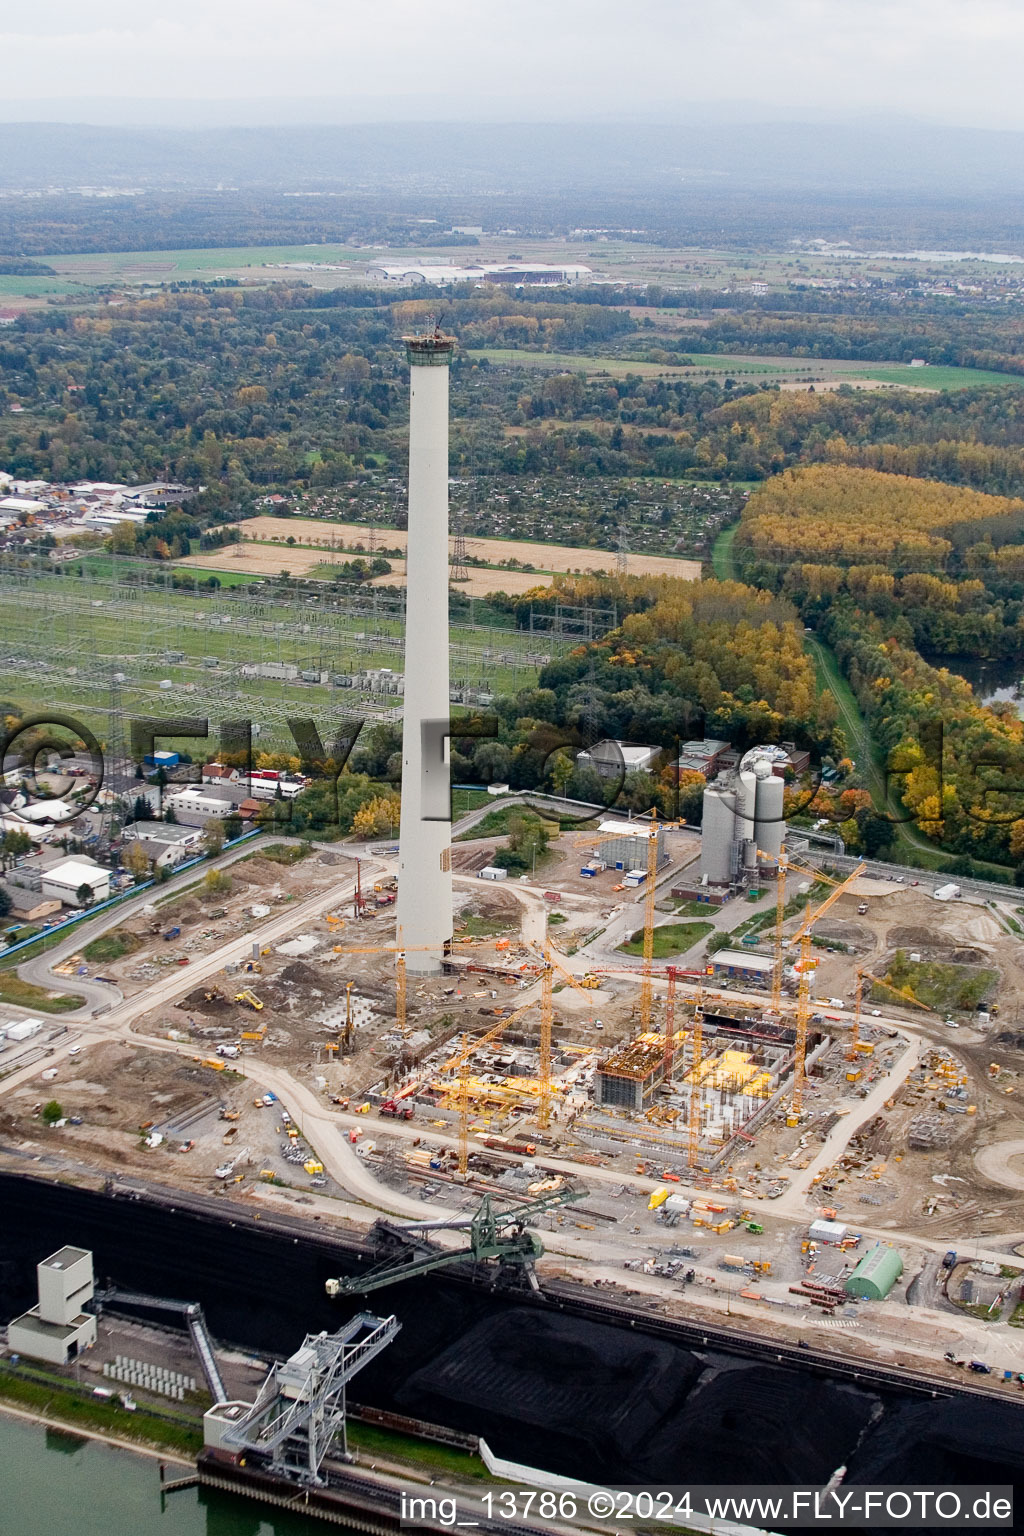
[[993, 681]]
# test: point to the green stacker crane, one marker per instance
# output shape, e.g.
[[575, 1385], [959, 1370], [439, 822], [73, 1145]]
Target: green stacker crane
[[404, 1253]]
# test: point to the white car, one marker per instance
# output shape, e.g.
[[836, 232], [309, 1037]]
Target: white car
[[73, 1050]]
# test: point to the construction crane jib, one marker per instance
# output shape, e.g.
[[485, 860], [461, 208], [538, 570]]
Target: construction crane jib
[[650, 894], [803, 1007]]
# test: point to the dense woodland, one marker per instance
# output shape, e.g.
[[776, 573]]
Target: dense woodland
[[290, 388], [891, 523]]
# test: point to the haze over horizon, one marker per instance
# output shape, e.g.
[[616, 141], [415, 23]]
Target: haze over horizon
[[934, 61]]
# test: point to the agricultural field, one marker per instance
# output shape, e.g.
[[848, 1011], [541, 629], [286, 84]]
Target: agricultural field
[[660, 515], [795, 373], [610, 256], [298, 544]]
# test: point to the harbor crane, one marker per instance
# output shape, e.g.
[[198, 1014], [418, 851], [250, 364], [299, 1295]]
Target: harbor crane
[[299, 1413], [502, 1237]]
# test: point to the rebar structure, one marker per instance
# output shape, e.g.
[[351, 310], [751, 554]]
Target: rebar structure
[[696, 1054]]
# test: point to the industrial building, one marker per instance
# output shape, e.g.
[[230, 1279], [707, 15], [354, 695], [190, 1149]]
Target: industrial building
[[165, 843], [62, 882], [625, 845], [631, 1077], [409, 274], [701, 757], [876, 1274], [742, 965], [57, 1328], [425, 852], [190, 804], [742, 828], [612, 759], [711, 1098]]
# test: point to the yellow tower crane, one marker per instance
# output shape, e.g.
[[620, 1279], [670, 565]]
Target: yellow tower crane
[[650, 893], [399, 951], [803, 1004], [696, 1056], [901, 992], [459, 1063], [785, 864], [670, 1025]]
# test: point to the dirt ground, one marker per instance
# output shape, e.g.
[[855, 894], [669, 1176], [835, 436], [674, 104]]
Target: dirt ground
[[898, 917], [320, 543], [121, 1093], [201, 1119], [208, 919]]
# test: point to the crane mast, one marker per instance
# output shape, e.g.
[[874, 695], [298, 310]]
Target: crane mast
[[646, 989]]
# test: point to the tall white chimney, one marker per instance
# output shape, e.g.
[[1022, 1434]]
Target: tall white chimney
[[425, 864]]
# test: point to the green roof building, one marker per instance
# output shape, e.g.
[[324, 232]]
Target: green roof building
[[876, 1274]]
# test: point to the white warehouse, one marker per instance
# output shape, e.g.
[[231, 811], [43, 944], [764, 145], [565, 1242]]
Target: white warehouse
[[62, 882]]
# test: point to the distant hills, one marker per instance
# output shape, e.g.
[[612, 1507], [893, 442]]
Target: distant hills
[[426, 158]]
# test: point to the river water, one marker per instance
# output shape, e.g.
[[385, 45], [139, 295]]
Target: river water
[[568, 1391], [52, 1482]]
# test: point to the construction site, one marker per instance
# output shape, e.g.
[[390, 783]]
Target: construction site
[[708, 1071]]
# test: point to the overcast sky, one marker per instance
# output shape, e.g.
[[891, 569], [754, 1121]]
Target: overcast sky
[[955, 61]]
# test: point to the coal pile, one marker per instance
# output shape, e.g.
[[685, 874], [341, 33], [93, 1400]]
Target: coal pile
[[566, 1391], [938, 1444], [579, 1395]]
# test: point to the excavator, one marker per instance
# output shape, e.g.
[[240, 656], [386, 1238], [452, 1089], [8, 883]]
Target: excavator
[[503, 1237]]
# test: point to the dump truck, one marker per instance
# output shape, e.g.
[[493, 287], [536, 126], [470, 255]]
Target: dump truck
[[172, 933]]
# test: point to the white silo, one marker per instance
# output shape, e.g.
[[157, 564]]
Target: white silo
[[769, 827], [718, 834], [746, 801]]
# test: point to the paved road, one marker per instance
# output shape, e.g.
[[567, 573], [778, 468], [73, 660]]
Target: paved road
[[97, 994], [327, 1128], [791, 1202], [994, 1163], [116, 1021]]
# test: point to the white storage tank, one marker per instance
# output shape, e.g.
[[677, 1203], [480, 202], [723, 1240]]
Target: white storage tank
[[746, 799], [769, 827], [717, 835]]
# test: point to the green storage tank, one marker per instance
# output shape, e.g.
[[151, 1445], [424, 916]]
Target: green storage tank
[[876, 1274]]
